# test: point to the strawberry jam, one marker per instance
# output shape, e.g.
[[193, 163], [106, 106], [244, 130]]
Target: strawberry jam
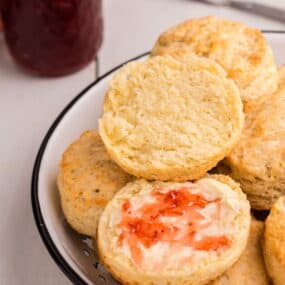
[[172, 217], [53, 37]]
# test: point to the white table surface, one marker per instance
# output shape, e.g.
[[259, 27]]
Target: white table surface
[[28, 105]]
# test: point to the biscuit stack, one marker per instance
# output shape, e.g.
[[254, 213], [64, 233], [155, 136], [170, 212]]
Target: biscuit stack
[[210, 94]]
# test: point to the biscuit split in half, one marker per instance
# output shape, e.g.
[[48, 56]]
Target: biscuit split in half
[[258, 160], [87, 180], [250, 268], [274, 242], [241, 50], [164, 119], [174, 233]]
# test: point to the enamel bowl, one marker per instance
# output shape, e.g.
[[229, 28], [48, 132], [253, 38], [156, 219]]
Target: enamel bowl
[[72, 252]]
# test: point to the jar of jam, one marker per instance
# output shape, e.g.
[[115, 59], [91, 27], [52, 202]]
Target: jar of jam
[[53, 37]]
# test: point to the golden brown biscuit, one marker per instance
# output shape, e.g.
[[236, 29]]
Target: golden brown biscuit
[[87, 180], [258, 160], [274, 242], [170, 120], [174, 233], [241, 50], [250, 268], [253, 108], [281, 76]]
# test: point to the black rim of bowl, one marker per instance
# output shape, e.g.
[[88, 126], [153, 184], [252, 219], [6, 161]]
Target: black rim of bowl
[[40, 223]]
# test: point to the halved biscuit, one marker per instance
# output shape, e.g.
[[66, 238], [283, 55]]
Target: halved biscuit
[[241, 50], [165, 119], [250, 268], [258, 160], [174, 233], [274, 242], [87, 180]]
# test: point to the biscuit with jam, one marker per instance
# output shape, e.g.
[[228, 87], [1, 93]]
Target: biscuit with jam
[[174, 233]]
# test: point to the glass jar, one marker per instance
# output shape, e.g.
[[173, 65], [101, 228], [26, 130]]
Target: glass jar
[[53, 37]]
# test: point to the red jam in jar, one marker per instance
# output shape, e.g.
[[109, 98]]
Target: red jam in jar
[[53, 37]]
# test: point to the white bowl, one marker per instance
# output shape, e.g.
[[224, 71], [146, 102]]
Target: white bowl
[[69, 250]]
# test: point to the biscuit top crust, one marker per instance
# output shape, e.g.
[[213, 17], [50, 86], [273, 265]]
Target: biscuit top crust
[[88, 174], [261, 150], [274, 242], [167, 226], [241, 50]]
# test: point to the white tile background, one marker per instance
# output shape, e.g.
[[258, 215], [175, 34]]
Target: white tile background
[[28, 106]]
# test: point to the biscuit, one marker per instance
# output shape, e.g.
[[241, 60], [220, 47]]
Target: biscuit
[[274, 242], [250, 268], [241, 50], [87, 180], [281, 76], [253, 108], [174, 233], [165, 119], [258, 160]]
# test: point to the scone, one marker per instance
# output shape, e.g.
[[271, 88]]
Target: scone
[[274, 242], [241, 50], [281, 76], [165, 119], [258, 160], [253, 109], [87, 180], [250, 268], [155, 233]]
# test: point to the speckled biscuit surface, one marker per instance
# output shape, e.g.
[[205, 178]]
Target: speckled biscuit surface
[[241, 50], [182, 266], [250, 268], [274, 242], [87, 180], [258, 160], [165, 119]]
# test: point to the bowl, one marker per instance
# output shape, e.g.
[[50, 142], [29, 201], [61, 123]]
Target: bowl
[[72, 252]]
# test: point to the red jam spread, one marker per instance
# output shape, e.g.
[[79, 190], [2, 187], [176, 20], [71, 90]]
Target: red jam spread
[[147, 225], [53, 37]]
